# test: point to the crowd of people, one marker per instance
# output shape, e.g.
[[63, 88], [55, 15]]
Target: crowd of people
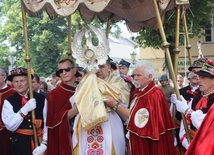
[[106, 112]]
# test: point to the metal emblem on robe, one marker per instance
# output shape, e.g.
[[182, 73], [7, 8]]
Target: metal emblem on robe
[[141, 117]]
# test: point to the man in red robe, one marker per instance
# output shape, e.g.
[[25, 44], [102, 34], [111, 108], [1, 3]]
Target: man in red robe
[[5, 91], [150, 124], [60, 110]]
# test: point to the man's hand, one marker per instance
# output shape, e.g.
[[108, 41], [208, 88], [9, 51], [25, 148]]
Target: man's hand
[[110, 101], [40, 150], [173, 98], [29, 106], [181, 106], [185, 143]]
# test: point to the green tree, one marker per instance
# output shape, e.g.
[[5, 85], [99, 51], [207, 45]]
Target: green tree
[[48, 40], [199, 12]]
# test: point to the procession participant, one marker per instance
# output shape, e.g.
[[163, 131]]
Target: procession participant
[[180, 81], [192, 90], [123, 67], [81, 72], [168, 90], [106, 137], [5, 91], [201, 103], [203, 142], [189, 92], [150, 124], [59, 135], [36, 83], [17, 117]]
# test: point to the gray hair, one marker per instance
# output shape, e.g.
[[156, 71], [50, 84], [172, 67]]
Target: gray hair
[[148, 66]]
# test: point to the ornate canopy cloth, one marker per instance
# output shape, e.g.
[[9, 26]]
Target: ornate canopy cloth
[[136, 13]]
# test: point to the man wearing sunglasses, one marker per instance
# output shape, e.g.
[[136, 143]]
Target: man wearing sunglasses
[[58, 106]]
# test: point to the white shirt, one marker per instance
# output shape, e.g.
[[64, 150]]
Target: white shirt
[[13, 120]]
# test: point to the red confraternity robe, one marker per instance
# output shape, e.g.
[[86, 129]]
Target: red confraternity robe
[[59, 138], [150, 123], [4, 133], [203, 143]]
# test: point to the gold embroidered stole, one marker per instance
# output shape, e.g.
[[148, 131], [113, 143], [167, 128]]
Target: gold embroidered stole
[[89, 97]]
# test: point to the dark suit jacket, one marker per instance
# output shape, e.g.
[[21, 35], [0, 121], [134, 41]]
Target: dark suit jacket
[[44, 93]]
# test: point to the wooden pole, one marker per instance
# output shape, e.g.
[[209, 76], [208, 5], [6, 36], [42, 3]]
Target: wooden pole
[[188, 46], [69, 53], [169, 61], [177, 50], [28, 59]]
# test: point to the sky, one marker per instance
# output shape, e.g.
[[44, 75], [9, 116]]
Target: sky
[[125, 32]]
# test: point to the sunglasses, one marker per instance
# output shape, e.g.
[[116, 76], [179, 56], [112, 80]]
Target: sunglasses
[[60, 71]]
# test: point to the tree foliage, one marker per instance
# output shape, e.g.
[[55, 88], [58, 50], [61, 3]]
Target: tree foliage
[[48, 38], [199, 13]]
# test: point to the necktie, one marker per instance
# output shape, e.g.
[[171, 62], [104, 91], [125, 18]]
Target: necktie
[[24, 100]]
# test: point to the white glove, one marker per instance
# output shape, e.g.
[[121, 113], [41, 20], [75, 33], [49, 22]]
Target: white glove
[[173, 98], [197, 117], [175, 141], [29, 106], [181, 106], [71, 100], [40, 150], [185, 143]]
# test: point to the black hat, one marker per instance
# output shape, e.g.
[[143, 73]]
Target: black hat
[[207, 69], [197, 63], [18, 72], [113, 65], [80, 69], [77, 74], [124, 63]]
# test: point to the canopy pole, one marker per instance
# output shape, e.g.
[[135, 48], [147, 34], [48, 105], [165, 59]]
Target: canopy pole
[[165, 45], [69, 53], [188, 46], [176, 49], [28, 59]]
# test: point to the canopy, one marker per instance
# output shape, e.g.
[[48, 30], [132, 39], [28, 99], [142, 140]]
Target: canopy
[[136, 13]]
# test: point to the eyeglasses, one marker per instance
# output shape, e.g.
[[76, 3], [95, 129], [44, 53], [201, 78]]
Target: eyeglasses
[[65, 69]]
